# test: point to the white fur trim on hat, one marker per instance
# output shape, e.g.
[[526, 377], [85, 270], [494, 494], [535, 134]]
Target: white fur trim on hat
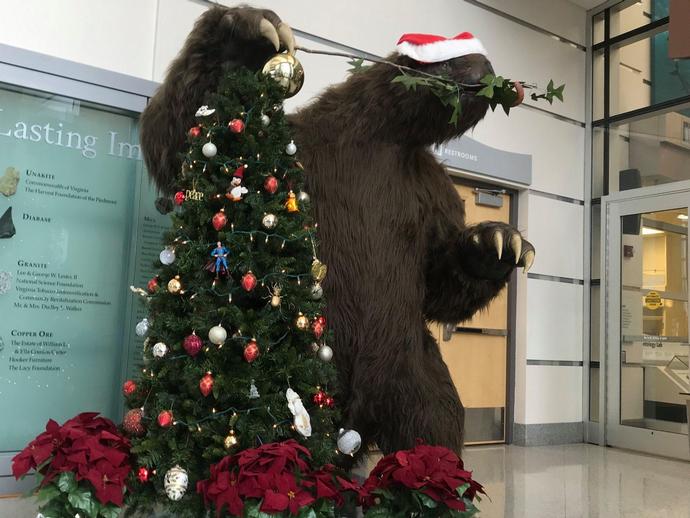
[[428, 48]]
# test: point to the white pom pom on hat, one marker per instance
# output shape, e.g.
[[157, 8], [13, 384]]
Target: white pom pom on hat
[[429, 48]]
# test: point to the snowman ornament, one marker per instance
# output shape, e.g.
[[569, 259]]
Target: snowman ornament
[[237, 190]]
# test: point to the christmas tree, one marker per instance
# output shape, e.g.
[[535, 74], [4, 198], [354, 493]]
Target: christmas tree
[[235, 354]]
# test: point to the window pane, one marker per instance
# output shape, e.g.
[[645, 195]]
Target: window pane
[[598, 85], [630, 15], [596, 242], [642, 74], [594, 354], [598, 28], [650, 151], [598, 162]]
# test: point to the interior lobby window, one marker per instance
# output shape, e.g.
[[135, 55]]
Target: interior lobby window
[[77, 226]]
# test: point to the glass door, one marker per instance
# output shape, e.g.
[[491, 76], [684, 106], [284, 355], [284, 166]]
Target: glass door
[[647, 324]]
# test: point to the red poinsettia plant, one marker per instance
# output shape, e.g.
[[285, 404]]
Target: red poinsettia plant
[[426, 481], [81, 467], [276, 479]]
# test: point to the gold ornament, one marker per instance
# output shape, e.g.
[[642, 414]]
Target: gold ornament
[[230, 440], [193, 194], [291, 203], [287, 71], [318, 270], [302, 322], [175, 285]]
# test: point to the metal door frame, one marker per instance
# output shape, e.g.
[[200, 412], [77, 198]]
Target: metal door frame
[[647, 199]]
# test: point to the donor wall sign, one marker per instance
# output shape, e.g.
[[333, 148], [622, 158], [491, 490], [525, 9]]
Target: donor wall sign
[[77, 227]]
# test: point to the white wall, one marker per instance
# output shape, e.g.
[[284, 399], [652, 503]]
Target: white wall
[[140, 37]]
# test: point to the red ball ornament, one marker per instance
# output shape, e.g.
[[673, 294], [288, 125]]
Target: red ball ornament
[[330, 402], [179, 197], [236, 125], [251, 351], [132, 422], [143, 474], [165, 419], [152, 285], [129, 387], [206, 384], [271, 184], [318, 326], [192, 344], [320, 398], [248, 281], [195, 131], [219, 220]]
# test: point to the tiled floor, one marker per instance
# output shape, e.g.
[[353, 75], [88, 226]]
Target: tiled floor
[[571, 481]]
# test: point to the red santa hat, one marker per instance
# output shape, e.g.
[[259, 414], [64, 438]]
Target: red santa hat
[[429, 48], [239, 172]]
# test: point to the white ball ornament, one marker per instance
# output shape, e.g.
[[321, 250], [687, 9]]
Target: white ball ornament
[[325, 353], [142, 327], [160, 350], [316, 291], [265, 120], [175, 483], [303, 197], [349, 441], [217, 335], [209, 150], [269, 221], [291, 148], [167, 256]]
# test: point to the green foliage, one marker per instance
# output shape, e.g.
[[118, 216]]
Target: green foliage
[[281, 256], [496, 89], [410, 503], [358, 66], [64, 497]]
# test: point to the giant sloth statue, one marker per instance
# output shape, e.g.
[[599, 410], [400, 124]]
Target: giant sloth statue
[[391, 224]]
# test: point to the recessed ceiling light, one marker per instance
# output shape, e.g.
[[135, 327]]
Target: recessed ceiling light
[[646, 231], [684, 217]]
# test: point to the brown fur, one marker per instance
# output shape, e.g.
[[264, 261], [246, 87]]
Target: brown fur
[[391, 224]]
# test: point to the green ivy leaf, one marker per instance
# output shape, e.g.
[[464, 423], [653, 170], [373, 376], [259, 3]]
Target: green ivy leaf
[[358, 66], [66, 482], [487, 91]]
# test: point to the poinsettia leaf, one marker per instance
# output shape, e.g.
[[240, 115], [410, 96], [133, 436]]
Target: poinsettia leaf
[[460, 490], [251, 509], [385, 493], [82, 499], [306, 512], [110, 511], [47, 493], [66, 482], [427, 501], [377, 512]]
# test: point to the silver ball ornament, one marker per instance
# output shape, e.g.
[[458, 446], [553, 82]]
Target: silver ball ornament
[[349, 441], [167, 256], [316, 291], [209, 150], [269, 221], [160, 349], [265, 120], [175, 483], [217, 335], [303, 197], [291, 148], [142, 327], [325, 353]]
